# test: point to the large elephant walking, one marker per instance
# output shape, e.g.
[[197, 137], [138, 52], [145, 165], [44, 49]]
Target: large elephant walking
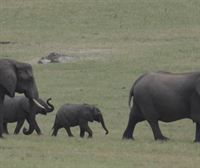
[[19, 109], [16, 77], [163, 96]]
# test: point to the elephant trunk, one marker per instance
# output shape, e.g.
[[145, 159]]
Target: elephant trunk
[[28, 131], [31, 92], [103, 124], [51, 107]]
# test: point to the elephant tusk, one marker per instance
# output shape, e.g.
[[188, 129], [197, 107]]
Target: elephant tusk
[[38, 104]]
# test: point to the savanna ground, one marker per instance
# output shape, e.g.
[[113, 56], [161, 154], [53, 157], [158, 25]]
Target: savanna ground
[[117, 41]]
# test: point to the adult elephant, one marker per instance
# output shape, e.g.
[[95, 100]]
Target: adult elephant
[[19, 109], [164, 96], [16, 77]]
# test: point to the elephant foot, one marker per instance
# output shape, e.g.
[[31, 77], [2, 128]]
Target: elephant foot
[[127, 136], [2, 137], [16, 133], [6, 133], [163, 138], [40, 133], [197, 141]]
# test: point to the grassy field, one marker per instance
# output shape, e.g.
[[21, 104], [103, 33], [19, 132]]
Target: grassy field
[[116, 41]]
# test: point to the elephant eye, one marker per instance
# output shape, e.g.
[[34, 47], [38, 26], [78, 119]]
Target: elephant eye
[[25, 75]]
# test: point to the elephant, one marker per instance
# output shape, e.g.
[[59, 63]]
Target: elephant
[[164, 96], [70, 115], [16, 77], [18, 109]]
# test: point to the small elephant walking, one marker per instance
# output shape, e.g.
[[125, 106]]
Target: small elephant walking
[[19, 108], [70, 115]]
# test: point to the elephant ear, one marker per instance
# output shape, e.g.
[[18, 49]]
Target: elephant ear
[[8, 80], [88, 116]]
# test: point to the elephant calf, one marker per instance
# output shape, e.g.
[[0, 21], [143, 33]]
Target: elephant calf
[[19, 108], [70, 115]]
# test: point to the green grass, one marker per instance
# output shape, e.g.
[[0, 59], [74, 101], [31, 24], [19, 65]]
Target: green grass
[[116, 41]]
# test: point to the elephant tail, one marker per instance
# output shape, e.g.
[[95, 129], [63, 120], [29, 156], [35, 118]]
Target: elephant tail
[[130, 96], [131, 93]]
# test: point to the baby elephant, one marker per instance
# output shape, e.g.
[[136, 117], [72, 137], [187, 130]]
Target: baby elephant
[[70, 115], [19, 108]]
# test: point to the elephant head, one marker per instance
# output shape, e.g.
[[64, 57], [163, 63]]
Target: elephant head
[[97, 116], [33, 110], [48, 107], [16, 77]]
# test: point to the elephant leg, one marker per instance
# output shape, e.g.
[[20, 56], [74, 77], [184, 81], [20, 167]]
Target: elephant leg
[[197, 135], [19, 126], [152, 116], [82, 132], [135, 116], [5, 128], [156, 131], [68, 131], [85, 127], [55, 130], [37, 128]]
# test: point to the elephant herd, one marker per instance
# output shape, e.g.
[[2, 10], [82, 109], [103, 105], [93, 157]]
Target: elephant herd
[[155, 96], [18, 77]]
